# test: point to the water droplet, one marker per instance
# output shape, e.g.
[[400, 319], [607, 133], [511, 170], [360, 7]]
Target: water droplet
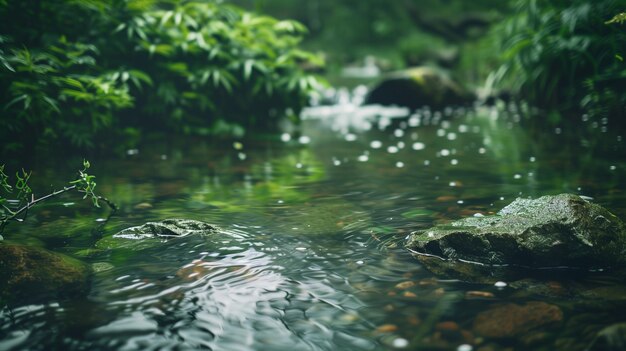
[[363, 158], [460, 202], [454, 162], [163, 157], [532, 159], [444, 152], [400, 343], [280, 201], [359, 262], [451, 136], [350, 137], [304, 139], [557, 130], [132, 152], [285, 137], [482, 150], [376, 144], [241, 156], [441, 132], [426, 162], [392, 149], [501, 198], [398, 133], [517, 176], [399, 164], [419, 146], [400, 144], [452, 183], [237, 145], [478, 215], [465, 347], [301, 248], [612, 168], [298, 165], [500, 284], [336, 162]]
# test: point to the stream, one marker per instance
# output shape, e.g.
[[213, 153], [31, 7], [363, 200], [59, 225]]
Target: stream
[[313, 220]]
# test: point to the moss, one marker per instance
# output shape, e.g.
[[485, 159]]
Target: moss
[[29, 273], [549, 231]]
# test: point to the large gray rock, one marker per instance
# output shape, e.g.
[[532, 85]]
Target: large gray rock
[[418, 87], [551, 231], [152, 233]]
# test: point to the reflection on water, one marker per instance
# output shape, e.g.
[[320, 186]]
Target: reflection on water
[[310, 254]]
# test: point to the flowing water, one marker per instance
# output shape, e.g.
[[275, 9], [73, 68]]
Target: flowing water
[[310, 255]]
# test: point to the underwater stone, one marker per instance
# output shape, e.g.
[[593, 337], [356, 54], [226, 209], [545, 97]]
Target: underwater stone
[[31, 274], [551, 231], [611, 338], [512, 320]]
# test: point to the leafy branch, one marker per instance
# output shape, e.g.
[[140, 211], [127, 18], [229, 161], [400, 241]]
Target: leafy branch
[[619, 18], [16, 209]]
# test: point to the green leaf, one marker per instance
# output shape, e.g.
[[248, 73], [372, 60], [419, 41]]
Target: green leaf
[[52, 104], [15, 101], [247, 69]]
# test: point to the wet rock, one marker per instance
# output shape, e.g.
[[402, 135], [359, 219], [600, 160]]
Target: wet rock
[[153, 233], [611, 338], [29, 274], [551, 231], [512, 320], [418, 87]]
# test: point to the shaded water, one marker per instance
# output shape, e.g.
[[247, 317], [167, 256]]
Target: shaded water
[[311, 254]]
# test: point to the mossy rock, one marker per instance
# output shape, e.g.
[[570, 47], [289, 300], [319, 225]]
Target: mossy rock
[[31, 273], [418, 87], [152, 234], [551, 231]]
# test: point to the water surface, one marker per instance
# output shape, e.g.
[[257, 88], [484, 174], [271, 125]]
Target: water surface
[[310, 256]]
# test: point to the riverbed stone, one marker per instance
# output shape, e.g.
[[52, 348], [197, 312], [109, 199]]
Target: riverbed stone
[[551, 231], [513, 320], [152, 233], [417, 87], [611, 338], [29, 273]]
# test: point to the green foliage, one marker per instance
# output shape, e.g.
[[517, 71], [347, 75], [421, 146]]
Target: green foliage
[[619, 18], [561, 54], [17, 199], [181, 65]]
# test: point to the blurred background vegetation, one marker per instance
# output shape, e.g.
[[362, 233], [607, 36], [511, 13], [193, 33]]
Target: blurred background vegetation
[[93, 74]]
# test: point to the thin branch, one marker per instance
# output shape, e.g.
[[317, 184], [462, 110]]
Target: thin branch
[[34, 202]]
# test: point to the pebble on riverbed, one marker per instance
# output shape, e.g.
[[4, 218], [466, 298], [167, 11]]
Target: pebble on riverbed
[[512, 320]]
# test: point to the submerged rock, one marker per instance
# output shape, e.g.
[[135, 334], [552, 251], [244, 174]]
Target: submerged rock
[[31, 273], [512, 320], [611, 338], [551, 231], [418, 87], [152, 233]]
